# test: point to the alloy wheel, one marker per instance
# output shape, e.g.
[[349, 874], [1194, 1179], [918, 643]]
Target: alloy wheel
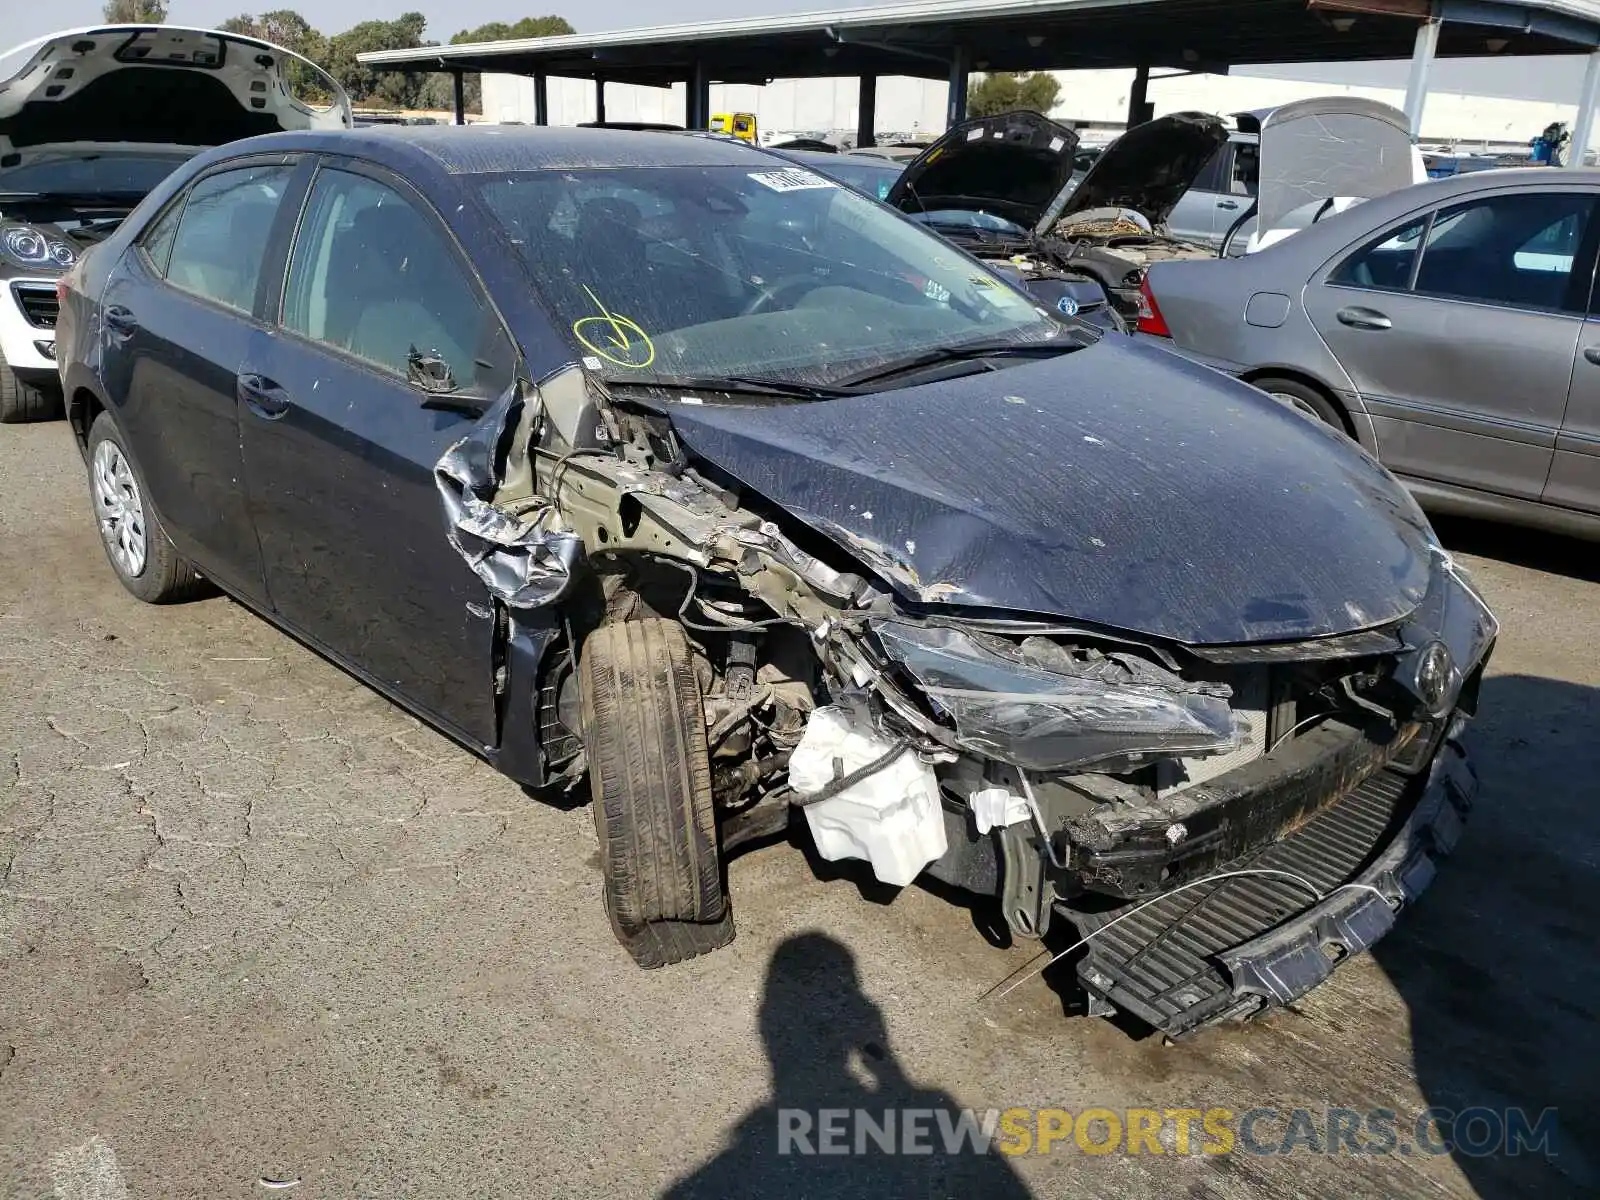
[[119, 509]]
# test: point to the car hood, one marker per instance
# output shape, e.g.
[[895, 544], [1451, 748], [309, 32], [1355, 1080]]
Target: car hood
[[1012, 165], [155, 85], [1149, 168], [1117, 486], [1330, 146]]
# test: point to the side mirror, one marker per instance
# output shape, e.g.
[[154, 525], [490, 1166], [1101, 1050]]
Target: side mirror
[[431, 376], [429, 373]]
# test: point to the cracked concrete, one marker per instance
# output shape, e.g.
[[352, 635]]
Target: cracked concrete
[[257, 924]]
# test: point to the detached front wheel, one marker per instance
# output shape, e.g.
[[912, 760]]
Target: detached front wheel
[[644, 733]]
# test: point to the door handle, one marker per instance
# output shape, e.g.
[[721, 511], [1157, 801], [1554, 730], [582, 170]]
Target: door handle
[[1592, 353], [262, 397], [1227, 204], [120, 320], [1363, 318]]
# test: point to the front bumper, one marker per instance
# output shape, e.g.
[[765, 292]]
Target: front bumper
[[1234, 948], [27, 328]]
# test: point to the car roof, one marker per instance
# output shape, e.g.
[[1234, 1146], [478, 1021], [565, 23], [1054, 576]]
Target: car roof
[[477, 149]]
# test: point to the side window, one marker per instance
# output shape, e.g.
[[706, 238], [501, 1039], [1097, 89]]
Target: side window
[[1216, 168], [221, 238], [1386, 261], [1246, 169], [158, 237], [373, 276], [1516, 250]]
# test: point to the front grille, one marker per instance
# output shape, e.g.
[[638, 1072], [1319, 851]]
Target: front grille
[[38, 303], [1162, 964]]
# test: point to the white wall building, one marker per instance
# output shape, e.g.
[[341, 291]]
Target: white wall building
[[1096, 98]]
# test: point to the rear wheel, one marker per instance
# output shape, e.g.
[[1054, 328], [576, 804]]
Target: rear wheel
[[1305, 398], [645, 735], [21, 402], [136, 545]]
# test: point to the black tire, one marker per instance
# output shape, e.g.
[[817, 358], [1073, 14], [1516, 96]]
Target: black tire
[[650, 776], [165, 577], [21, 402], [1305, 398]]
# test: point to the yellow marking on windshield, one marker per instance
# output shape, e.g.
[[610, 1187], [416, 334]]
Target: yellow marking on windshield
[[615, 338]]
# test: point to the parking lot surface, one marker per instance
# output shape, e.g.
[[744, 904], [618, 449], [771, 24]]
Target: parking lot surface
[[263, 933]]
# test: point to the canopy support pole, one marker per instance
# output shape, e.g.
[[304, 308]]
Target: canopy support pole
[[960, 71], [1583, 131], [1421, 66], [541, 98], [1139, 96], [458, 84], [699, 98], [867, 112]]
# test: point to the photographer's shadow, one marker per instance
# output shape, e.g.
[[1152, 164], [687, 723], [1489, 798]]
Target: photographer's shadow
[[828, 1046]]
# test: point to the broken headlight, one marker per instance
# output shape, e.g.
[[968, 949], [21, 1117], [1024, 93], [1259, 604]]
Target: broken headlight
[[1042, 720]]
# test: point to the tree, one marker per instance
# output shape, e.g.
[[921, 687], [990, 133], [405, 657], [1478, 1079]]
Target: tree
[[135, 12], [1005, 92], [394, 89], [528, 27], [497, 31]]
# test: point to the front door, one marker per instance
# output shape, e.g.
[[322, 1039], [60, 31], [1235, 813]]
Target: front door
[[339, 449], [1459, 329], [1575, 470], [179, 315]]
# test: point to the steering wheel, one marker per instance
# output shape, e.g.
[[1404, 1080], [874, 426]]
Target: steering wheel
[[769, 293]]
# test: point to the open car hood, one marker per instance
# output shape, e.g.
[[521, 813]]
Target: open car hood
[[1327, 147], [1116, 485], [155, 85], [1013, 165], [1149, 168]]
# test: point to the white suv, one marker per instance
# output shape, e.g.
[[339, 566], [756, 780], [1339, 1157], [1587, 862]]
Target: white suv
[[90, 121]]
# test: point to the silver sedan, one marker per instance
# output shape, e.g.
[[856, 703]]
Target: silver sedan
[[1451, 328]]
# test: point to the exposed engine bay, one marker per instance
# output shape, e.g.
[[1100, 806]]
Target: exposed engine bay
[[1054, 766], [1005, 189]]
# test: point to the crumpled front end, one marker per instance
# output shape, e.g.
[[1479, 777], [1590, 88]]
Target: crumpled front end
[[1080, 775]]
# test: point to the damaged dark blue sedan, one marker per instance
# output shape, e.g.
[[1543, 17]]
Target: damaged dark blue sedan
[[667, 465]]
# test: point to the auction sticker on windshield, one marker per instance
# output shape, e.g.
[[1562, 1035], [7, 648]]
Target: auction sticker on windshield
[[791, 180]]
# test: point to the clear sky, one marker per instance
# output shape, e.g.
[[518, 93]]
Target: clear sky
[[21, 20]]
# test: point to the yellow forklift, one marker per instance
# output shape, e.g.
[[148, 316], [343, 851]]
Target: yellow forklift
[[740, 125]]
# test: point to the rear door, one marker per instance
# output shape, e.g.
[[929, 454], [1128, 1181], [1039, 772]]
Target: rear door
[[1459, 328], [1218, 197], [1575, 469], [339, 447], [1194, 217], [180, 312]]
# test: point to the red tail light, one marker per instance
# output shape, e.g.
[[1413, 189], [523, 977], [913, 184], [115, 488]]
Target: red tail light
[[1150, 319]]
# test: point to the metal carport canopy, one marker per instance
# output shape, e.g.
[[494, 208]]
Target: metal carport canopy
[[925, 37]]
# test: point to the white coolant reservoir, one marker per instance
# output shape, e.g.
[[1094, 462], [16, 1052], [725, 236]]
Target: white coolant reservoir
[[891, 818]]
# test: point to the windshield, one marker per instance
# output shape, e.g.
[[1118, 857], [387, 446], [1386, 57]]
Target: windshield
[[759, 270], [94, 173]]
